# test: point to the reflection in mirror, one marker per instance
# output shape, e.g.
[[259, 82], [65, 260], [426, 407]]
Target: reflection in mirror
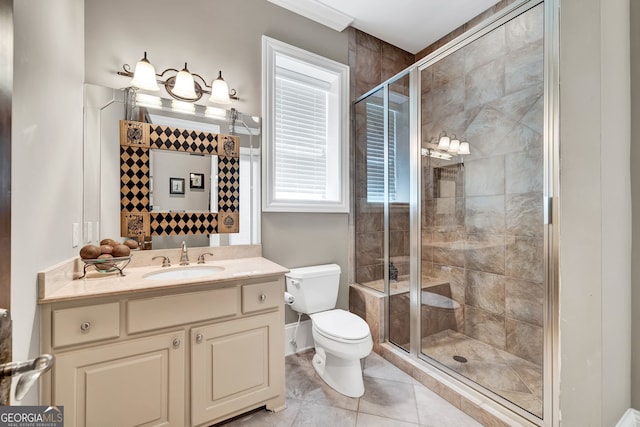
[[105, 107], [198, 174]]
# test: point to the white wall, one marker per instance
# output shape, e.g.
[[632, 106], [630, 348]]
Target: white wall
[[46, 153], [635, 182], [595, 222]]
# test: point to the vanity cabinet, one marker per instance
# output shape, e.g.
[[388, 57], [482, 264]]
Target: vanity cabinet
[[185, 356], [231, 365], [132, 383]]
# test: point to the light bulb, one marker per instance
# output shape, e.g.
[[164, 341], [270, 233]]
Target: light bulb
[[443, 142], [184, 85], [219, 91], [464, 148], [454, 146], [144, 75]]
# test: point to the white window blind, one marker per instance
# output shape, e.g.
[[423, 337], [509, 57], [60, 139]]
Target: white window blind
[[375, 154], [301, 120]]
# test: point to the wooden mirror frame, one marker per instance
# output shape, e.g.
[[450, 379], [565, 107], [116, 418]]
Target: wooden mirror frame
[[136, 219]]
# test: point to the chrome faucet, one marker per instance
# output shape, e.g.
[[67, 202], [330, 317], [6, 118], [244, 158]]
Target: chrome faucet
[[166, 262], [201, 257], [184, 255]]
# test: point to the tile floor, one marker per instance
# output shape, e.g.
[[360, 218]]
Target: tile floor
[[392, 398], [508, 375]]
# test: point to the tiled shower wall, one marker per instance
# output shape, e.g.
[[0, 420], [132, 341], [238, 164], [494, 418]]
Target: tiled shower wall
[[373, 61], [483, 232]]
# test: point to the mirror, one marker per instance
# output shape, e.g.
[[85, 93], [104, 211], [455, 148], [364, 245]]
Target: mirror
[[105, 107], [182, 182]]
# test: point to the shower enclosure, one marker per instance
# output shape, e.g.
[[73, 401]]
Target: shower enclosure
[[455, 241]]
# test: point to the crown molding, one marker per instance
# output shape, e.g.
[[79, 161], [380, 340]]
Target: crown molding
[[317, 12]]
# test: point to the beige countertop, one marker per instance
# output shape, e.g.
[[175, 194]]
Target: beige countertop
[[60, 283]]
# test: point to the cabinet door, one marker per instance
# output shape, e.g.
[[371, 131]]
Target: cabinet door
[[133, 383], [235, 366]]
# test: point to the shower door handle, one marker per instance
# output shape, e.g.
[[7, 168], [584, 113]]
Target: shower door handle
[[548, 209]]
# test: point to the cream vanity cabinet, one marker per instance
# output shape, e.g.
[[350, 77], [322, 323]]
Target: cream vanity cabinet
[[183, 356]]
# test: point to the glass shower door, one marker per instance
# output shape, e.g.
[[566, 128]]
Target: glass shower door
[[398, 183], [483, 274], [382, 166]]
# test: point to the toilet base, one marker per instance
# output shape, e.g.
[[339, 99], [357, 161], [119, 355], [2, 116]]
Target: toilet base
[[342, 375]]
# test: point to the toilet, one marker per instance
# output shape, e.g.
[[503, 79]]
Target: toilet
[[340, 338]]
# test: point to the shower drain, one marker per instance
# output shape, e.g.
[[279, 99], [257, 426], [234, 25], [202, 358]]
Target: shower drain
[[460, 359]]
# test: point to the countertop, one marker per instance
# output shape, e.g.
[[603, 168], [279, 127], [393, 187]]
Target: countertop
[[61, 286]]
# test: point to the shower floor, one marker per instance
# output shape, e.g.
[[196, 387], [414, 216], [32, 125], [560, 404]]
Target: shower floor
[[509, 376]]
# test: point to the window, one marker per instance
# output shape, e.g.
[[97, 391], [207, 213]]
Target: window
[[306, 123], [375, 154]]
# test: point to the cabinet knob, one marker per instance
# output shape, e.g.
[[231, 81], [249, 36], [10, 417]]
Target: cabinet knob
[[263, 297], [176, 342], [199, 338], [85, 326]]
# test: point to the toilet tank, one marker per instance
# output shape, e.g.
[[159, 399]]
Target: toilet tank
[[315, 288]]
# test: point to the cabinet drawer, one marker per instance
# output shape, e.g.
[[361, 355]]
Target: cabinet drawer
[[261, 296], [166, 311], [85, 324]]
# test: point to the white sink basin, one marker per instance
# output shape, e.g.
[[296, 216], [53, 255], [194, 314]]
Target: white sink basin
[[183, 273]]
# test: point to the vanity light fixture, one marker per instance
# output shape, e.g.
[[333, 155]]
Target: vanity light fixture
[[182, 85], [448, 147]]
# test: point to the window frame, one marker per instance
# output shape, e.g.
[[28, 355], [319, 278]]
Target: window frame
[[271, 49]]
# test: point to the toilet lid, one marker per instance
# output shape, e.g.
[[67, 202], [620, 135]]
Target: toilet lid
[[341, 324]]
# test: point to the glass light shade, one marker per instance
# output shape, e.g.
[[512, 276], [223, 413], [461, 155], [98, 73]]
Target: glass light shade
[[443, 142], [184, 85], [464, 148], [219, 91], [144, 75], [454, 146]]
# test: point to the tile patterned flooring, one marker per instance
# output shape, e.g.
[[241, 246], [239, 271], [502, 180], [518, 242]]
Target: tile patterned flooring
[[392, 398], [513, 378]]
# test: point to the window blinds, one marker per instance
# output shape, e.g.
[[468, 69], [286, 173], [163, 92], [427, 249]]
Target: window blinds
[[301, 120], [375, 154]]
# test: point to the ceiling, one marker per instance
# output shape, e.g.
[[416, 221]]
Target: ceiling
[[411, 25]]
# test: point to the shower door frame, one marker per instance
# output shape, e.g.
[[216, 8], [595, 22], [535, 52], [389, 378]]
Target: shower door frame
[[550, 204]]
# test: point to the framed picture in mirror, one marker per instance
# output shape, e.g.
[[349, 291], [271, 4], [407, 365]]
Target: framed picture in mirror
[[176, 185], [196, 181]]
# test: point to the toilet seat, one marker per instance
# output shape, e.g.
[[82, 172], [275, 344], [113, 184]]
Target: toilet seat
[[341, 325]]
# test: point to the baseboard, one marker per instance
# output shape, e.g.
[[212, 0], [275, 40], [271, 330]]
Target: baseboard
[[631, 418], [304, 337]]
